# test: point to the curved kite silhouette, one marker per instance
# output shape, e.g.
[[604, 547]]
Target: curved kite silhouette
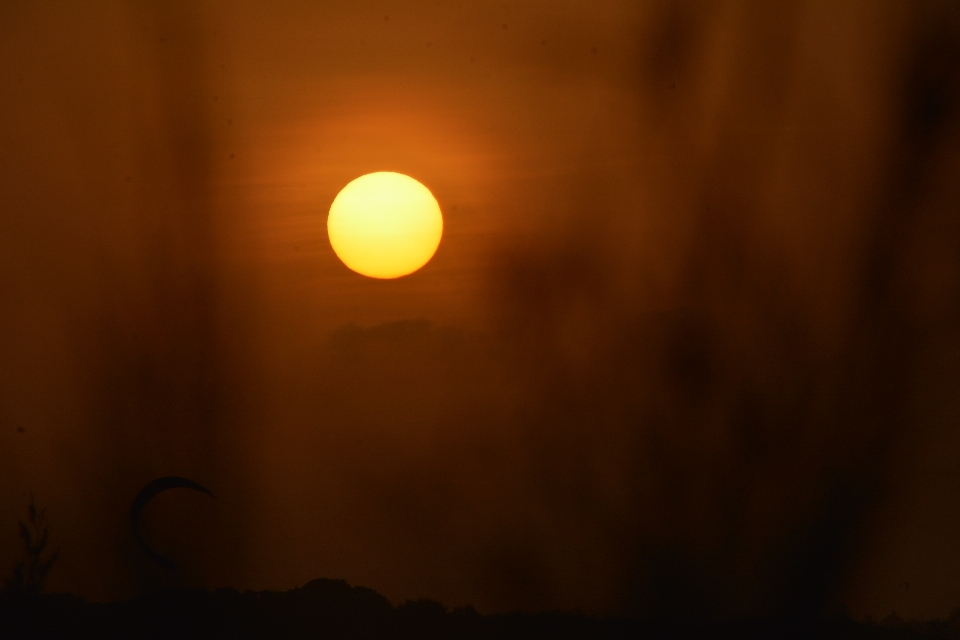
[[146, 495]]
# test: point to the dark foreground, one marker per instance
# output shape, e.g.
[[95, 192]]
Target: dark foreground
[[333, 610]]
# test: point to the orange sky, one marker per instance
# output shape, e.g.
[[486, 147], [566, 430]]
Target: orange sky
[[690, 337]]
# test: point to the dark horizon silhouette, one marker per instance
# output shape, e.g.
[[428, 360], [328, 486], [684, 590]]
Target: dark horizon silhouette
[[333, 609], [325, 608]]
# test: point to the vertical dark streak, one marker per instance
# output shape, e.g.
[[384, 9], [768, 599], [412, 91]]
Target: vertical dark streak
[[885, 342], [162, 385]]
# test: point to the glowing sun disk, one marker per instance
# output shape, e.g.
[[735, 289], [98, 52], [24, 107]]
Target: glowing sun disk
[[385, 225]]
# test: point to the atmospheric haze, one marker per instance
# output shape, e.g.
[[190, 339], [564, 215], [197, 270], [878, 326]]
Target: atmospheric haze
[[691, 343]]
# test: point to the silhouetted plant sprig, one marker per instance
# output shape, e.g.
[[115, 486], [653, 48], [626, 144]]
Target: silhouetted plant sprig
[[30, 572]]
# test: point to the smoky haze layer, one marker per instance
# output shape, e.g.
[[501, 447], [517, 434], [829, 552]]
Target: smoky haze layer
[[752, 405], [115, 360], [689, 345]]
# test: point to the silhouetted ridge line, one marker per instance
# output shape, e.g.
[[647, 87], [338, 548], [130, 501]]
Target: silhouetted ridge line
[[334, 610]]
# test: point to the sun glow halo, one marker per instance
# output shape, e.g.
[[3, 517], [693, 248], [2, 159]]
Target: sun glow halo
[[385, 225]]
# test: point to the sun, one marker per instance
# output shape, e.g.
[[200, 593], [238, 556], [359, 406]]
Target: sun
[[385, 225]]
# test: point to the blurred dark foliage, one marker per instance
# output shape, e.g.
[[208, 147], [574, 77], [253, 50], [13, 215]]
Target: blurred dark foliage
[[30, 571], [333, 609]]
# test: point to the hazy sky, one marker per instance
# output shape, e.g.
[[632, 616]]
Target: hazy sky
[[691, 340]]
